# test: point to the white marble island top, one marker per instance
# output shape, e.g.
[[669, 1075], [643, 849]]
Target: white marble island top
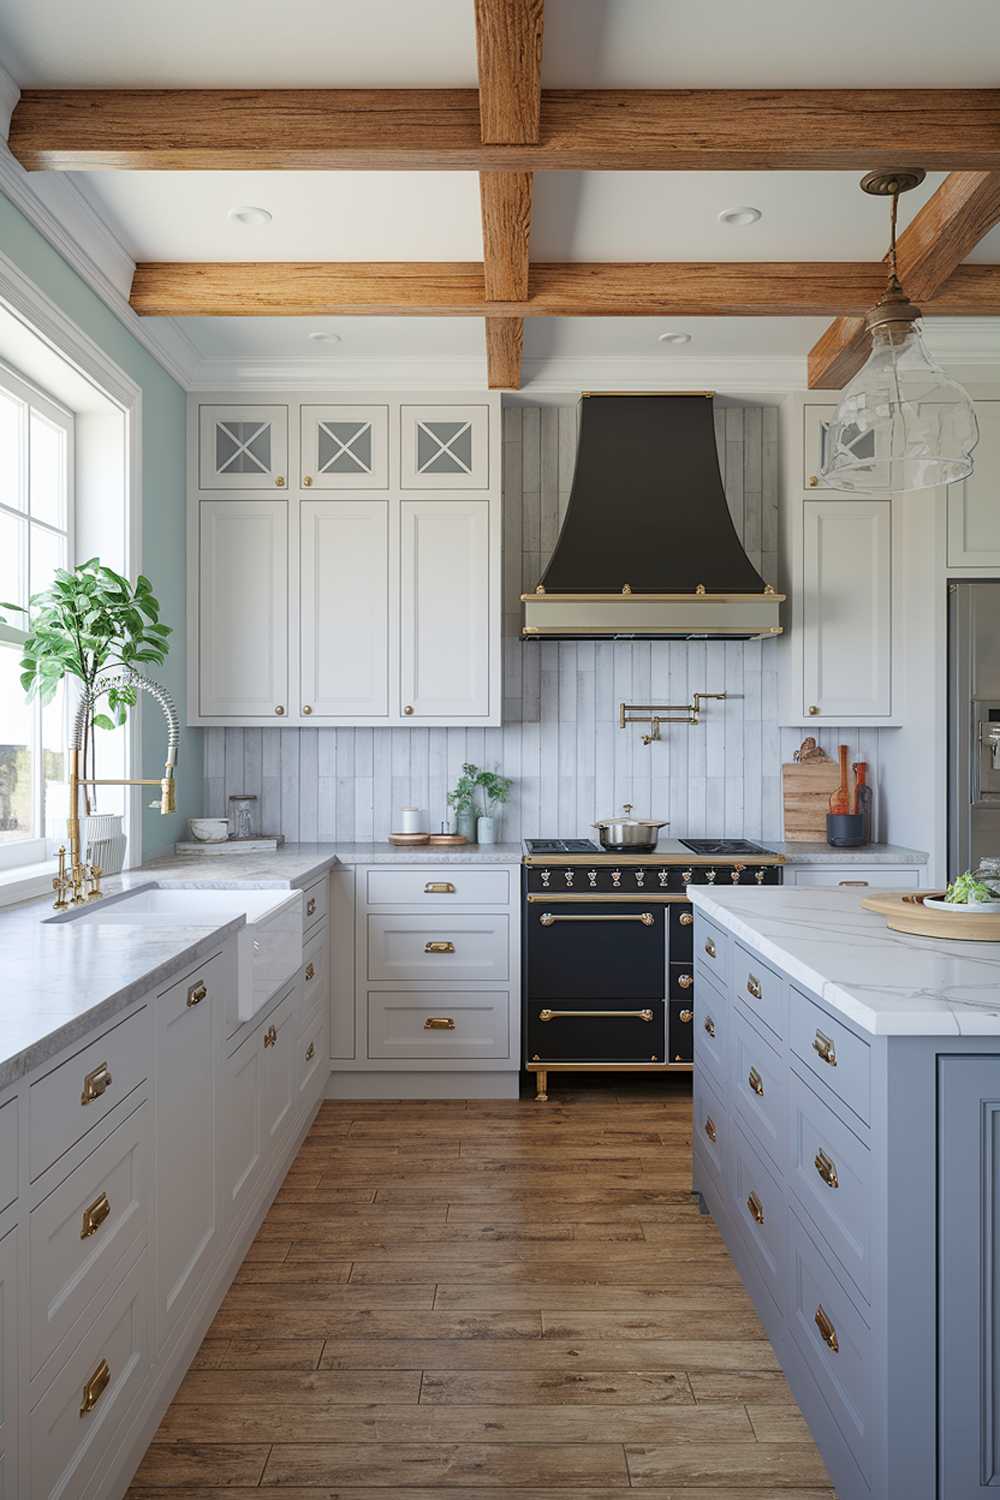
[[888, 983]]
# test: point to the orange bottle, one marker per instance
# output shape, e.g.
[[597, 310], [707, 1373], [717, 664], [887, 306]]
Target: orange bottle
[[840, 800]]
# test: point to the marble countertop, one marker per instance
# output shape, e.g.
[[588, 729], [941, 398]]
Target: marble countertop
[[888, 983], [869, 854]]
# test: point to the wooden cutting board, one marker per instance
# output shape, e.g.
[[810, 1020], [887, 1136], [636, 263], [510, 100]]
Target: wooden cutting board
[[904, 911], [806, 790]]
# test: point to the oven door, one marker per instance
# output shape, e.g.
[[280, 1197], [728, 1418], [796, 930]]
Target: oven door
[[595, 1031], [590, 951]]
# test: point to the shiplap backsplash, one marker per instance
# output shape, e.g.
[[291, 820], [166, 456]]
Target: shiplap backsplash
[[560, 740]]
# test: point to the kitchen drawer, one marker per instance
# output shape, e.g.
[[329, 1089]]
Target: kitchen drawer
[[80, 1232], [760, 989], [315, 904], [848, 875], [449, 885], [712, 1026], [711, 1128], [313, 1060], [711, 951], [681, 923], [76, 1096], [581, 952], [596, 1031], [832, 1054], [438, 949], [761, 1088], [10, 1137], [315, 978], [830, 1174], [460, 1024], [834, 1339], [762, 1212], [680, 1031], [71, 1430]]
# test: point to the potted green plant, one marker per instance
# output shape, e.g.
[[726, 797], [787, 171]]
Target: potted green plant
[[90, 624], [496, 790], [462, 801]]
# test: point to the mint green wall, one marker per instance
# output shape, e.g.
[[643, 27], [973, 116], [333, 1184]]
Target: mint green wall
[[163, 496]]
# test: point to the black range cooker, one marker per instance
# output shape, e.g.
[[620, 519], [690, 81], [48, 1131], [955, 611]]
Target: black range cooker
[[608, 979]]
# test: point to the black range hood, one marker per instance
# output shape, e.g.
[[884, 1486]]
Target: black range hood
[[648, 549]]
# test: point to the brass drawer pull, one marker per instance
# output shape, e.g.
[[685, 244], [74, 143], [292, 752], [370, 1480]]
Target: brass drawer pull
[[754, 987], [756, 1208], [95, 1387], [310, 971], [439, 947], [824, 1048], [94, 1216], [310, 1051], [311, 906], [709, 1025], [197, 993], [439, 888], [710, 947], [559, 1015], [270, 1037], [710, 1129], [548, 918], [756, 1082], [685, 981], [826, 1169], [852, 882], [686, 1016], [95, 1083], [827, 1332], [686, 918], [439, 1023]]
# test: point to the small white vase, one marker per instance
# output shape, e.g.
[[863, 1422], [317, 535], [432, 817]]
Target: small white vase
[[486, 829], [104, 841]]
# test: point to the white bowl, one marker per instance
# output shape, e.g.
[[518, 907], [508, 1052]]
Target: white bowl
[[209, 830]]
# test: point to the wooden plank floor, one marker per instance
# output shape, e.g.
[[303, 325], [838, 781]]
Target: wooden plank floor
[[480, 1300]]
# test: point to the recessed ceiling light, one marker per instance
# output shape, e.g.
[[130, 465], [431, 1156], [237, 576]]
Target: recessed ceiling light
[[319, 337], [674, 338], [250, 215], [740, 216]]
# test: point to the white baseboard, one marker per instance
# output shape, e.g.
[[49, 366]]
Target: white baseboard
[[423, 1086]]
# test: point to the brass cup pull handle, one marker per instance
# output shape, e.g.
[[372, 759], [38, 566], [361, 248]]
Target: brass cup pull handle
[[826, 1169], [439, 1023], [311, 906], [686, 918], [710, 1129], [827, 1332], [756, 1082], [710, 948], [825, 1049], [756, 1208], [685, 981], [95, 1387], [95, 1083], [197, 993], [310, 971], [852, 882], [94, 1216], [310, 1051], [439, 888], [561, 1015], [686, 1016], [709, 1025], [754, 987], [439, 947], [270, 1037]]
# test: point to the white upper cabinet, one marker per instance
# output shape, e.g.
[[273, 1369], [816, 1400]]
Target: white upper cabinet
[[242, 447], [974, 504], [445, 609], [345, 447], [242, 621], [846, 612], [344, 609], [444, 447]]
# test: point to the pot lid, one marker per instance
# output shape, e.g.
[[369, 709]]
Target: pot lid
[[625, 819]]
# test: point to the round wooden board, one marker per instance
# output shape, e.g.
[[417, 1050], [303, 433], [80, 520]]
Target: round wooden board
[[409, 840], [447, 840], [904, 911]]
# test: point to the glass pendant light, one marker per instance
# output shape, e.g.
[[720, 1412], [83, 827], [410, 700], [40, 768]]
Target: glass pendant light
[[902, 423]]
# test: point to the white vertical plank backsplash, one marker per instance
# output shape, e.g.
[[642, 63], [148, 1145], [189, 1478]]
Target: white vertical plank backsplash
[[560, 740]]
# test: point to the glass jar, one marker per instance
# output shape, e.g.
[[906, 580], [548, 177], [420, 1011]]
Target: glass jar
[[243, 816]]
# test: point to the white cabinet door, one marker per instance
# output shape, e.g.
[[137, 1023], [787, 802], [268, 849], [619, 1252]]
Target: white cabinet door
[[847, 609], [444, 447], [8, 1366], [445, 602], [242, 447], [239, 1127], [279, 1084], [974, 504], [345, 447], [243, 609], [344, 608]]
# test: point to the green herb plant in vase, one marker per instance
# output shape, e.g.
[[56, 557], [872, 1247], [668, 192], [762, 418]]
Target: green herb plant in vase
[[462, 801], [496, 790]]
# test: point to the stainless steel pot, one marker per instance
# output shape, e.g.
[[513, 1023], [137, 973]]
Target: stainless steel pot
[[625, 834]]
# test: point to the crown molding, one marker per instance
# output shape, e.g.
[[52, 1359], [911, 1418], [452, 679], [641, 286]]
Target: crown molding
[[964, 341]]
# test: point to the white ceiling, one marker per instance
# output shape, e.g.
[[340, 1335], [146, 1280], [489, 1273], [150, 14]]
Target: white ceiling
[[433, 215]]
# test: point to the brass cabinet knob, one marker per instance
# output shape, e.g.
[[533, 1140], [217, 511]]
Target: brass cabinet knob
[[307, 709], [307, 480], [279, 480], [197, 993], [685, 981], [687, 918], [408, 709], [814, 708], [280, 710], [813, 482], [685, 1016]]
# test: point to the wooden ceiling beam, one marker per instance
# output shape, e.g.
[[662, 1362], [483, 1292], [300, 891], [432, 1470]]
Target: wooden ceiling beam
[[457, 289], [930, 251], [579, 129]]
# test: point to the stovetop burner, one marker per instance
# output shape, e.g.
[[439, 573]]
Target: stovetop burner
[[561, 846], [723, 846]]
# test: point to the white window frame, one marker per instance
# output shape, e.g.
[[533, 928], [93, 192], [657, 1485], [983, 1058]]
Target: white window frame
[[35, 849]]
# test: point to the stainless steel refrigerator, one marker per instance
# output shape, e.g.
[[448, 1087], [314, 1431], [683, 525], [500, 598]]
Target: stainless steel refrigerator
[[973, 724]]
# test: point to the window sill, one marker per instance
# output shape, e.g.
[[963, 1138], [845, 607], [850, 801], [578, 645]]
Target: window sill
[[25, 882]]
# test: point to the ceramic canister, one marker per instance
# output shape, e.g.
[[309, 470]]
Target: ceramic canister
[[412, 820]]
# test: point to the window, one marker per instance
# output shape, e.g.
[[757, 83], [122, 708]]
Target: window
[[36, 537]]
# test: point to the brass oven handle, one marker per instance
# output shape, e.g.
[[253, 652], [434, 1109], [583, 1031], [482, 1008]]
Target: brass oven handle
[[710, 1129], [686, 918], [754, 987], [439, 888], [826, 1169], [310, 971], [559, 1015], [95, 1083], [197, 993], [756, 1208], [547, 918], [709, 1025], [756, 1082], [824, 1047], [439, 1023], [686, 1016], [95, 1387], [710, 947], [827, 1332], [439, 947], [94, 1216]]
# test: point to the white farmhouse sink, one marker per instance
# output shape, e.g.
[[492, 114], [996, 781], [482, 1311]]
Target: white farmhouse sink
[[268, 948]]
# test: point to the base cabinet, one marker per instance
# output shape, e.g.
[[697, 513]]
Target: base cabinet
[[9, 1325], [242, 1154]]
